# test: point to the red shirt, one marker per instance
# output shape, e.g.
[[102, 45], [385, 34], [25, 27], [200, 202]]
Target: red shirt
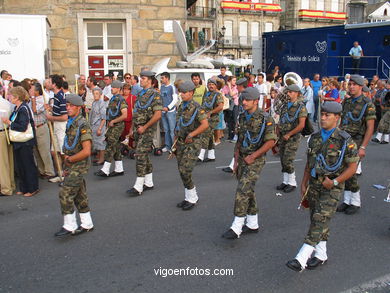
[[130, 100]]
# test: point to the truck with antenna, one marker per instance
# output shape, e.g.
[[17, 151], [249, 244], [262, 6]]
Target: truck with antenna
[[325, 50]]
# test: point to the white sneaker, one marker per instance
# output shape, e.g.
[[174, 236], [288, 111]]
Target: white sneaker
[[165, 149], [55, 179]]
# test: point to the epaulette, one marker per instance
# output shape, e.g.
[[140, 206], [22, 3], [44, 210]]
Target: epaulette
[[344, 134], [367, 100]]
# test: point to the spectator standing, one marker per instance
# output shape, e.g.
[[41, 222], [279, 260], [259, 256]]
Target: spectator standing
[[316, 84], [356, 53], [7, 183], [91, 84], [97, 120], [130, 100], [135, 87], [307, 93], [127, 78], [200, 89], [59, 116], [19, 120], [230, 91], [169, 99], [107, 89], [42, 148], [333, 93], [223, 74]]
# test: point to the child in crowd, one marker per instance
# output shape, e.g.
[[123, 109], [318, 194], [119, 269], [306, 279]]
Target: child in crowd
[[97, 119]]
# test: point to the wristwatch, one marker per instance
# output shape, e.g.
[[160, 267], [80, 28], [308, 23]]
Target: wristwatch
[[335, 182]]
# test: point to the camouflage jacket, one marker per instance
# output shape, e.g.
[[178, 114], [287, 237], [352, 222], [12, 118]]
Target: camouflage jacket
[[289, 117], [337, 152], [148, 101], [188, 118], [355, 115], [210, 102], [252, 132], [76, 133], [115, 106]]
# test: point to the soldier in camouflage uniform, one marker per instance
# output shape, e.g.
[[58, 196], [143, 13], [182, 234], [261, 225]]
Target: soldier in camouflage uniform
[[358, 119], [147, 112], [212, 104], [77, 149], [116, 114], [292, 120], [191, 122], [256, 135], [242, 84], [383, 133], [332, 158]]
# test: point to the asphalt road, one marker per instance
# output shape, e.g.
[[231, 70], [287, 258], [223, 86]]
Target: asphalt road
[[136, 237]]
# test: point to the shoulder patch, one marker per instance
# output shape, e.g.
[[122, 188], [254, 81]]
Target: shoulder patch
[[269, 123], [157, 98], [202, 111], [350, 146], [83, 131]]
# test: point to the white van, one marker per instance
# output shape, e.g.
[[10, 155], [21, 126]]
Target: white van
[[184, 73]]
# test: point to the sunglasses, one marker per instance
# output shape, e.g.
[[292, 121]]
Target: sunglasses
[[127, 77]]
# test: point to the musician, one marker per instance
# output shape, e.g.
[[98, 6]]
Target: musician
[[332, 158], [191, 122], [293, 115]]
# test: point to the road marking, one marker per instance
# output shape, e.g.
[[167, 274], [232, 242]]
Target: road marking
[[379, 283], [269, 162]]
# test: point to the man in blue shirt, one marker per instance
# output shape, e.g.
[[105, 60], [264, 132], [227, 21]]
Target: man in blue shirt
[[356, 52], [316, 83], [169, 99], [135, 87]]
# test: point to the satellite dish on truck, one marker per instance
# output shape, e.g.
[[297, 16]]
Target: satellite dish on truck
[[192, 60]]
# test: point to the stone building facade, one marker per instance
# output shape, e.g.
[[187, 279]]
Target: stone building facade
[[96, 37], [300, 14]]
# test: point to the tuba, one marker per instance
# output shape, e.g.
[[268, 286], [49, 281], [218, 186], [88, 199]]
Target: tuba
[[282, 98]]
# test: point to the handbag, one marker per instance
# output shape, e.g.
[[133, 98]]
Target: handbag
[[226, 103], [18, 136]]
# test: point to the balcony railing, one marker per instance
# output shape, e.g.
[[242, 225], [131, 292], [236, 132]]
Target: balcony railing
[[242, 41], [249, 7], [201, 12]]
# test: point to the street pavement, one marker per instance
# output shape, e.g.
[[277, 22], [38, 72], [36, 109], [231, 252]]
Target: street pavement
[[136, 237]]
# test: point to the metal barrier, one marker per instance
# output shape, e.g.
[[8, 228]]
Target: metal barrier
[[370, 59]]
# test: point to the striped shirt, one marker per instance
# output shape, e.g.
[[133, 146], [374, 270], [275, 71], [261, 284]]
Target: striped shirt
[[40, 115], [59, 106]]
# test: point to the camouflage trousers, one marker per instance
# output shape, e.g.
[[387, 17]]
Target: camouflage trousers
[[288, 150], [207, 139], [73, 193], [384, 124], [352, 183], [247, 175], [113, 147], [322, 204], [187, 155], [144, 145]]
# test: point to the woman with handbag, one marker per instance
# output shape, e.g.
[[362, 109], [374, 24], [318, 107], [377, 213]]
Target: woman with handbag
[[21, 125]]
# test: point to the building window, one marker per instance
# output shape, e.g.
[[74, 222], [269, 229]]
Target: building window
[[229, 31], [268, 1], [305, 4], [334, 6], [105, 48], [243, 33], [255, 31], [269, 27], [320, 5]]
